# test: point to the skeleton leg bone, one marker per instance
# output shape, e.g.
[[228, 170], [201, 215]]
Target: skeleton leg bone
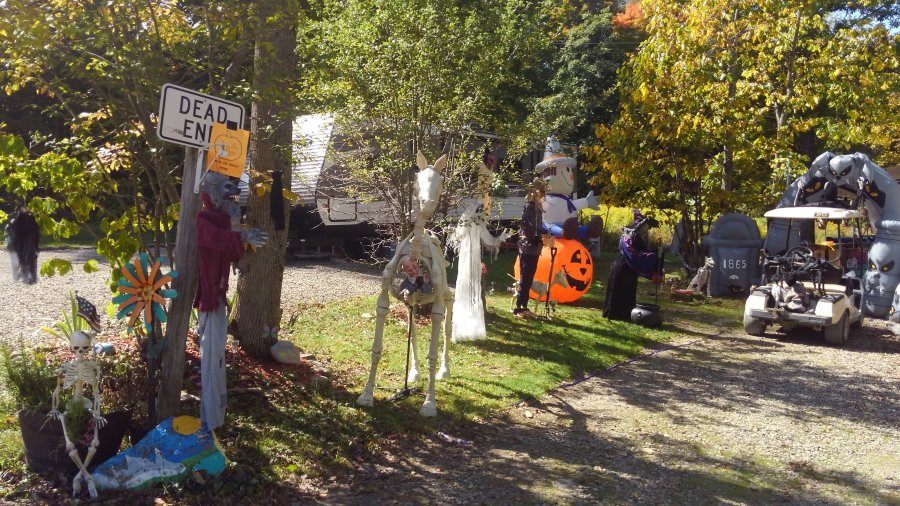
[[382, 307], [92, 450], [413, 375], [367, 396], [82, 468], [444, 372], [429, 407]]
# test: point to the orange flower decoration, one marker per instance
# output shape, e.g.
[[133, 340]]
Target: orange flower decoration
[[141, 291]]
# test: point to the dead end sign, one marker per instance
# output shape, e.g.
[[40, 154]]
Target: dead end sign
[[187, 116]]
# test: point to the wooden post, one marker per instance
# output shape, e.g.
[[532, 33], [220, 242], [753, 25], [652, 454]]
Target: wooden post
[[187, 264]]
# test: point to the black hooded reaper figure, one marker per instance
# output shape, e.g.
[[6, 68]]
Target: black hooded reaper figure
[[22, 245], [635, 259]]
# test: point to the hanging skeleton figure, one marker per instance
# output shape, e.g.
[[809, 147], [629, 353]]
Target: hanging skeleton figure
[[219, 246], [22, 245], [467, 239], [420, 246], [75, 374]]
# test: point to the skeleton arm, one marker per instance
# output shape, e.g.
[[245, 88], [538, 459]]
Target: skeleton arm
[[95, 389], [490, 242], [54, 409]]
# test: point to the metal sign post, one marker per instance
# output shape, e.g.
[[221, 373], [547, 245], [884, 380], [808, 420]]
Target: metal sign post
[[186, 117]]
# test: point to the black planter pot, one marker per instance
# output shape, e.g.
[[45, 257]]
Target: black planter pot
[[45, 445], [136, 433], [648, 315]]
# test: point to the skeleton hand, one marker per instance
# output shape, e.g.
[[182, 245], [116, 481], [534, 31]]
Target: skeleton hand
[[254, 237], [54, 413], [591, 200], [98, 419]]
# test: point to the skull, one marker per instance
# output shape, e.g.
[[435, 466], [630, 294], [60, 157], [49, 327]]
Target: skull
[[81, 343]]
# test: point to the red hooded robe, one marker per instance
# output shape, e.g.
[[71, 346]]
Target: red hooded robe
[[219, 247]]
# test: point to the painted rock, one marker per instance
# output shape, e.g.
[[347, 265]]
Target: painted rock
[[168, 453]]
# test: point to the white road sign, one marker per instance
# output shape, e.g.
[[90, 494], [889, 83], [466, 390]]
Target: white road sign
[[186, 116]]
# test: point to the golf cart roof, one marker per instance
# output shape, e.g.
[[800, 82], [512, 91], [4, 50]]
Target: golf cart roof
[[813, 213]]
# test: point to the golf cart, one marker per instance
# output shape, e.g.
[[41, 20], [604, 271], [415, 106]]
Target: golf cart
[[799, 289]]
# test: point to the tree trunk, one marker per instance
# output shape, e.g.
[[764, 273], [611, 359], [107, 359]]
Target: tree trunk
[[187, 264], [259, 285]]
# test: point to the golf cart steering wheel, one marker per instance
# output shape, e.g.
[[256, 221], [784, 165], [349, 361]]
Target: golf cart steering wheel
[[800, 255]]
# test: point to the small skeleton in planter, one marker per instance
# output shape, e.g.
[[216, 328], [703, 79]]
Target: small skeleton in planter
[[75, 374]]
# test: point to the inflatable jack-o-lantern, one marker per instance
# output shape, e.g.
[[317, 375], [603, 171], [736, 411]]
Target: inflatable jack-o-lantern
[[573, 272]]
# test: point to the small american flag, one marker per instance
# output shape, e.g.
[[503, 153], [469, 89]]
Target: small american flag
[[88, 311]]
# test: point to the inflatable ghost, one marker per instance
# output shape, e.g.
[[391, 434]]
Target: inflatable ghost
[[881, 198], [560, 210], [813, 187]]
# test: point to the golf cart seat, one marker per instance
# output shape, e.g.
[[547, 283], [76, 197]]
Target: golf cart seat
[[828, 287]]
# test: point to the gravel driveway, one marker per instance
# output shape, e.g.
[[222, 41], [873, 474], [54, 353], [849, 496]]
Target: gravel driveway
[[724, 418], [25, 308]]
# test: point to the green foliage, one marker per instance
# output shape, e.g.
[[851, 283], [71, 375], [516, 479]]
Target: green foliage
[[413, 75], [12, 449], [77, 416], [91, 266], [71, 322], [55, 266], [48, 183], [95, 76], [726, 101], [29, 375], [582, 88]]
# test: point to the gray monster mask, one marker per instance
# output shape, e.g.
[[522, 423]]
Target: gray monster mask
[[223, 192]]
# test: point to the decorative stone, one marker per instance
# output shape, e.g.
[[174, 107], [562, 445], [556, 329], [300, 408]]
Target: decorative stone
[[286, 352], [320, 382]]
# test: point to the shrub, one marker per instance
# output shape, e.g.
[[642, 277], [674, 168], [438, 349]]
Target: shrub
[[123, 381], [29, 375]]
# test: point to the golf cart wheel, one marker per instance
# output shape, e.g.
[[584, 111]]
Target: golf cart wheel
[[754, 326], [858, 323], [838, 333]]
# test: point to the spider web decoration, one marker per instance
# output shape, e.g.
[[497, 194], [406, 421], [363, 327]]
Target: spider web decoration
[[142, 292]]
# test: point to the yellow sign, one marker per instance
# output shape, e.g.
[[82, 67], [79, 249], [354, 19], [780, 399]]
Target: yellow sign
[[227, 150]]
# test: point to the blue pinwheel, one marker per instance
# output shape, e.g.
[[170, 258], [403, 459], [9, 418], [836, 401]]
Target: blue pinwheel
[[141, 292]]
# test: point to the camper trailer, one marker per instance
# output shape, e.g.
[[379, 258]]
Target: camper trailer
[[326, 217]]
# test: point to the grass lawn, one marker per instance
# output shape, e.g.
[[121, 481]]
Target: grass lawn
[[519, 359], [288, 431]]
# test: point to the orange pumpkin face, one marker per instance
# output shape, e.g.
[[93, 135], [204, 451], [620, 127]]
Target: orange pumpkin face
[[573, 272], [229, 146]]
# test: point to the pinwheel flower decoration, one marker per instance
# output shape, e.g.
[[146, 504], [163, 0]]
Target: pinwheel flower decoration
[[141, 292]]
